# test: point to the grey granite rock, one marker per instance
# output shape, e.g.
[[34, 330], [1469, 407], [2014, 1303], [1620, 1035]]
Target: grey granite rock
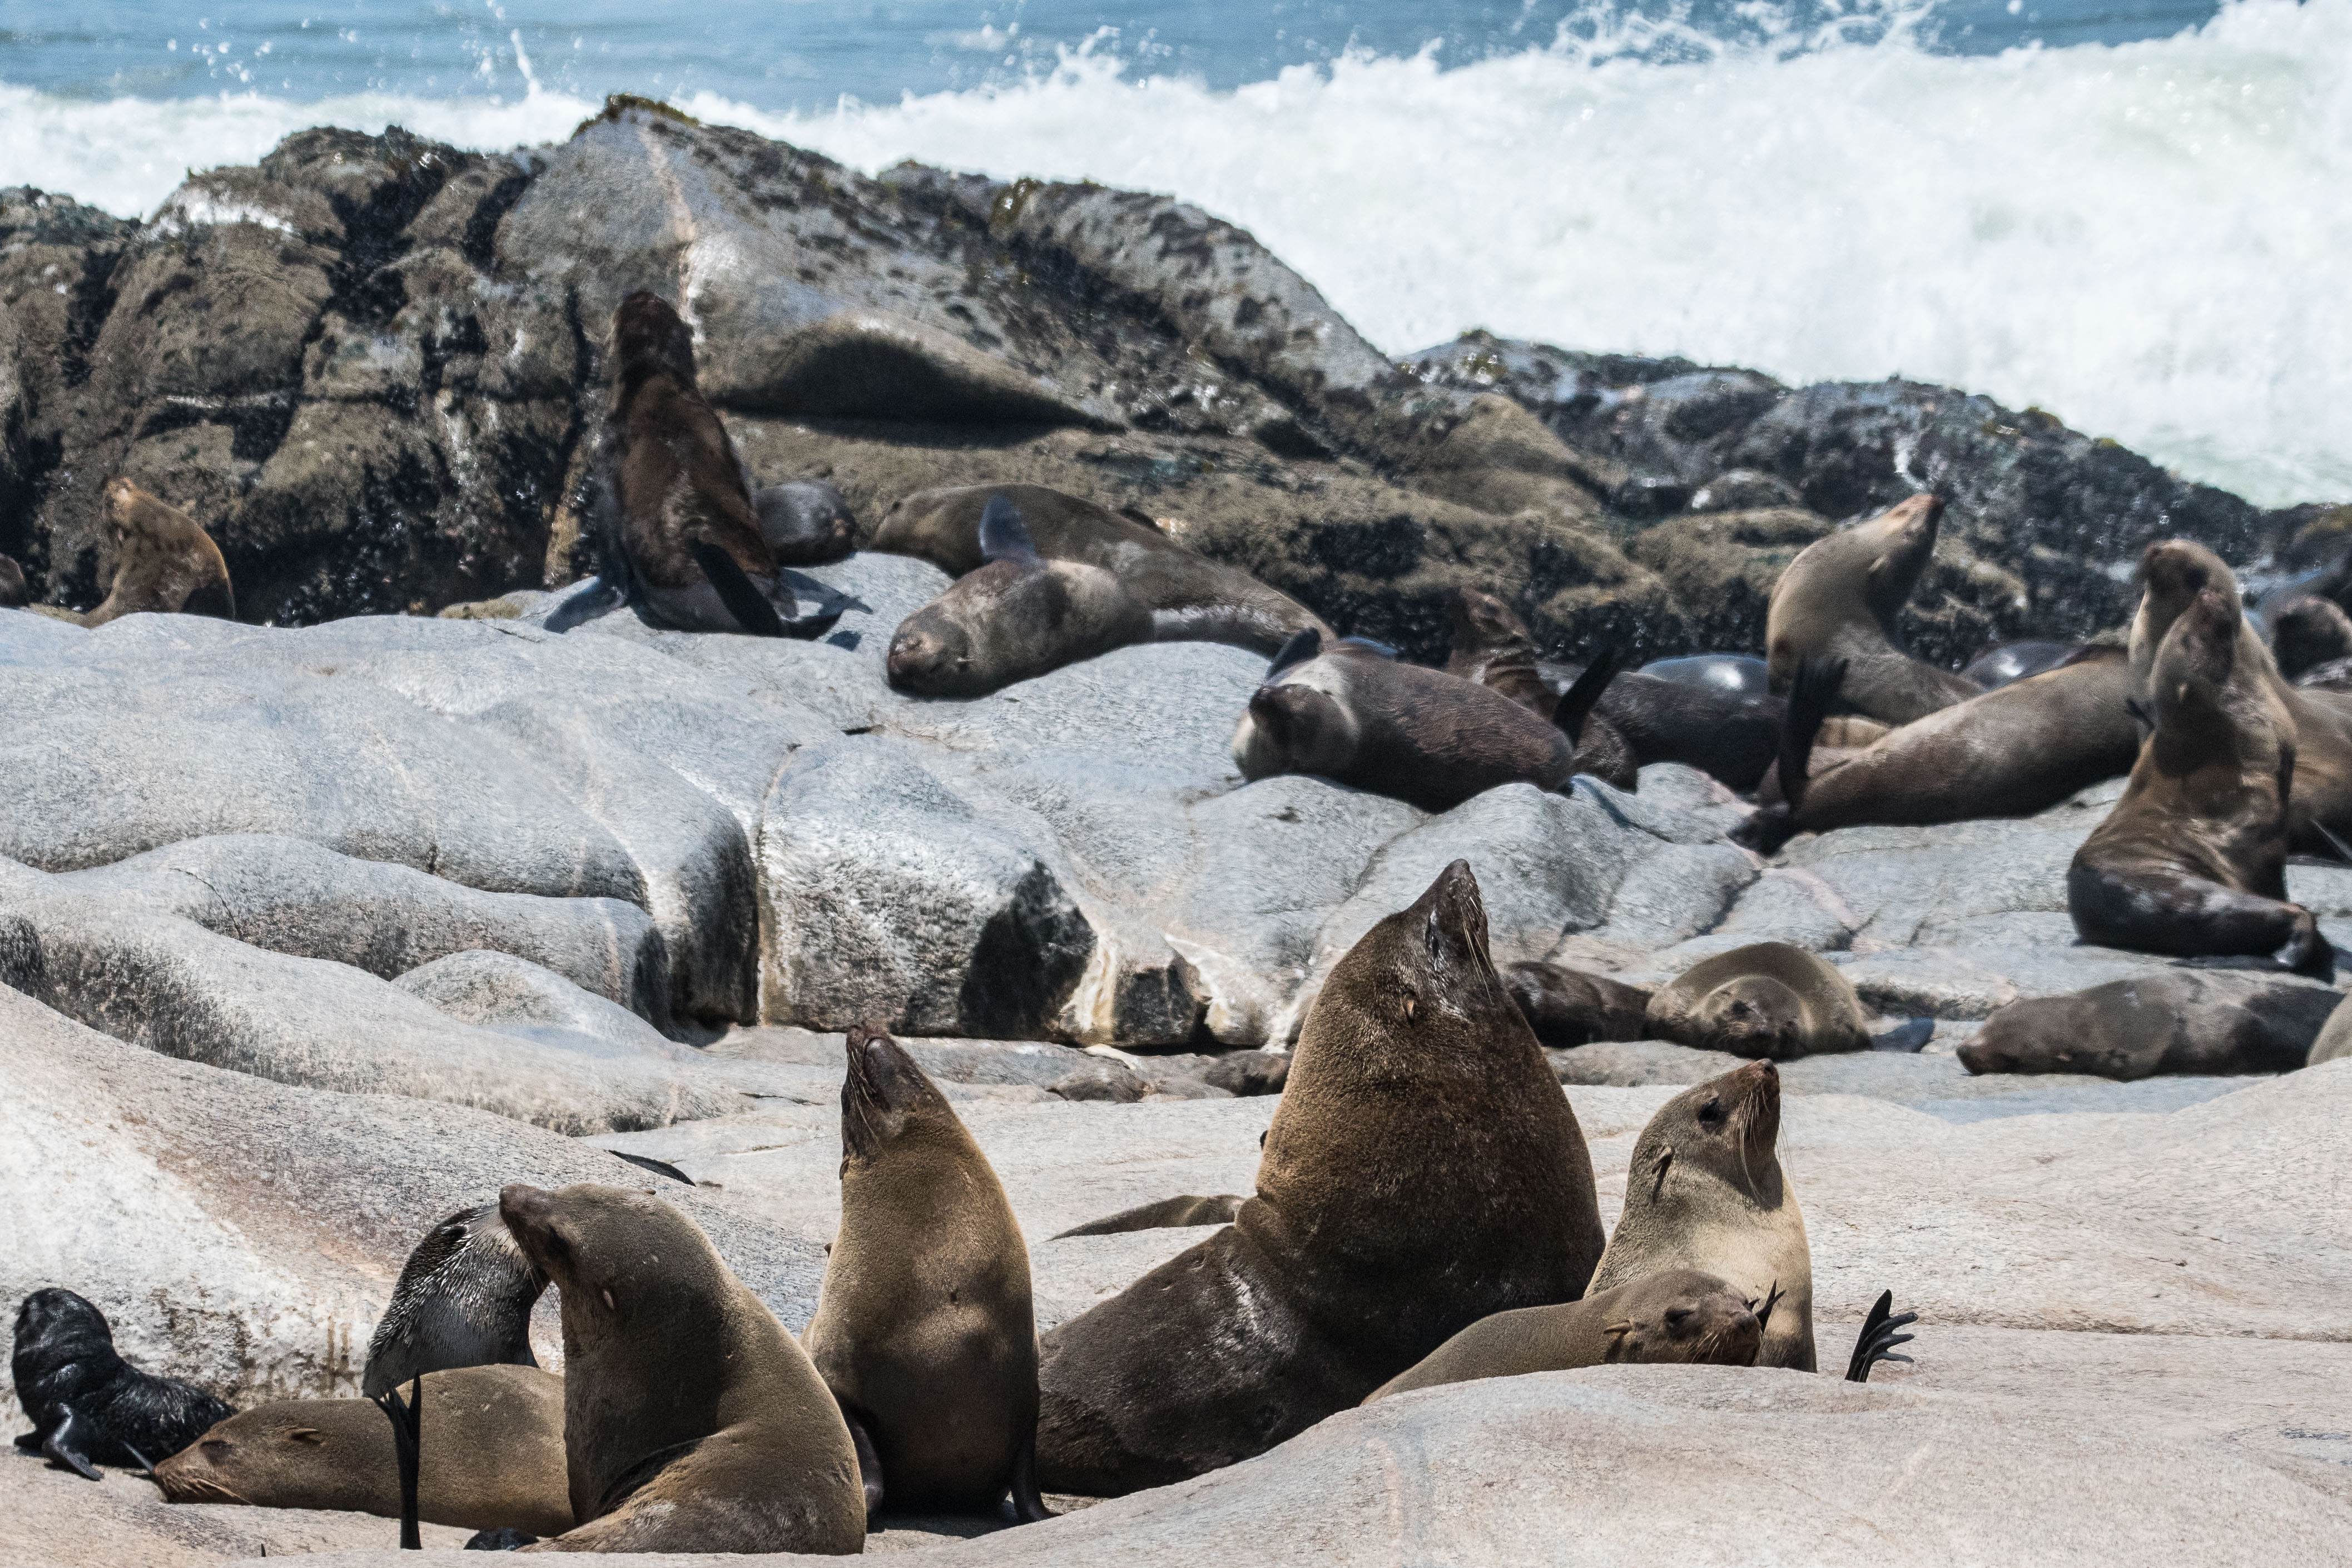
[[514, 997]]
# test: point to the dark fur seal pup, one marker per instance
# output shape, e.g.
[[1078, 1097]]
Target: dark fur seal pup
[[464, 1299], [14, 593], [680, 535], [1839, 598], [2180, 1021], [2192, 859], [164, 563], [1423, 1170], [1766, 999], [1188, 598], [2005, 663], [496, 1460], [88, 1407], [806, 523], [1570, 1008], [1418, 735], [1168, 1214], [2017, 750], [2308, 632], [923, 1330], [692, 1422], [1677, 1316]]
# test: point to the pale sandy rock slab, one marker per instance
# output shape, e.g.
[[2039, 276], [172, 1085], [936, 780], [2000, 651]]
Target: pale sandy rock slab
[[513, 996], [50, 1518]]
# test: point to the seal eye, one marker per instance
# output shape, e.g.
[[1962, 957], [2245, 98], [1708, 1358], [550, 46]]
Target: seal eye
[[1677, 1316], [1711, 1112]]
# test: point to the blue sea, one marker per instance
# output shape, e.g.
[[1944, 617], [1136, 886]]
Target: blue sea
[[2135, 213]]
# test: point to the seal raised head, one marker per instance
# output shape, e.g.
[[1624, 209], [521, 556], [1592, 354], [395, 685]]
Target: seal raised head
[[1839, 598], [87, 1405]]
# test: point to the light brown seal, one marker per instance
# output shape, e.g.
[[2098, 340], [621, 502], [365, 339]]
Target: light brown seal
[[2193, 860], [1422, 1171], [1705, 1191], [2178, 1021], [1766, 999], [1188, 597], [496, 1460], [923, 1331], [1678, 1316], [692, 1422], [1569, 1007], [164, 563], [1839, 598]]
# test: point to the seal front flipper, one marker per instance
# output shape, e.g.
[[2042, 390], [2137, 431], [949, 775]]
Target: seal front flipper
[[64, 1445], [736, 590], [1004, 536], [1879, 1337], [1028, 1507], [1304, 644], [1576, 703], [1816, 686]]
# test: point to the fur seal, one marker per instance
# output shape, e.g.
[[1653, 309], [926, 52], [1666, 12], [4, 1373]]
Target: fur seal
[[2178, 1021], [692, 1422], [1493, 647], [681, 538], [1422, 1171], [1838, 599], [1570, 1008], [2005, 663], [1168, 1214], [1766, 999], [923, 1330], [1418, 735], [2333, 1041], [164, 563], [806, 523], [2192, 859], [14, 593], [2308, 632], [1677, 1315], [496, 1459], [1188, 597], [88, 1407]]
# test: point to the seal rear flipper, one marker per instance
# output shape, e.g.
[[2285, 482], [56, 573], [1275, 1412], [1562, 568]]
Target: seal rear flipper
[[601, 596], [1304, 644], [1004, 536], [63, 1445], [736, 590], [869, 1462], [1809, 696], [1879, 1337], [1028, 1506], [1577, 702], [407, 1418]]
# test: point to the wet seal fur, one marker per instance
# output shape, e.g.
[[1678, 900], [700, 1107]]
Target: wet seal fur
[[495, 1461], [2178, 1021], [87, 1405], [2006, 663], [692, 1422], [1418, 735], [923, 1330], [1677, 1316], [1422, 1171], [1766, 999], [1568, 1007], [2192, 859], [1839, 598]]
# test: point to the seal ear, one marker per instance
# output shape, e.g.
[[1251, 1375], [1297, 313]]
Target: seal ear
[[1004, 536], [1577, 702], [1304, 644], [736, 591]]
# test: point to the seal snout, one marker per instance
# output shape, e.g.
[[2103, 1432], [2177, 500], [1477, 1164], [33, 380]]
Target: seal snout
[[529, 1215]]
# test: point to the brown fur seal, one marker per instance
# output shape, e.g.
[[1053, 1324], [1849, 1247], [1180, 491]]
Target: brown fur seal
[[1766, 999], [164, 563], [14, 592], [1187, 597], [806, 523], [1678, 1316], [2180, 1021], [1493, 647], [2333, 1041], [923, 1331], [2192, 859], [2017, 750], [692, 1422], [1839, 598], [1168, 1214], [1570, 1008], [2308, 632], [1705, 1191], [495, 1460], [1422, 1171], [1417, 735]]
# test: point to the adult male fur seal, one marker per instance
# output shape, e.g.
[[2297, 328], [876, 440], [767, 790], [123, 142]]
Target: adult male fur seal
[[692, 1422], [1677, 1316], [1422, 1171], [1187, 597], [495, 1461], [1766, 999], [681, 536], [1839, 598], [88, 1407], [924, 1331], [164, 563], [2177, 1021], [2192, 859], [1399, 730]]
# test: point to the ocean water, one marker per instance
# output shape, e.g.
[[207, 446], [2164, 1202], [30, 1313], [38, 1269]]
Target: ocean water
[[2132, 213]]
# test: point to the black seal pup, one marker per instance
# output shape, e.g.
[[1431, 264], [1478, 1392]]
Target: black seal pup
[[90, 1406], [1839, 598]]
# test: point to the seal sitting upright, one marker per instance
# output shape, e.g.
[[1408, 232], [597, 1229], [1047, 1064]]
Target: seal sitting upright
[[89, 1406], [1422, 1171], [1838, 599]]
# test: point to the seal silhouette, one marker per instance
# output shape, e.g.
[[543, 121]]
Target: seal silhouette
[[1839, 598]]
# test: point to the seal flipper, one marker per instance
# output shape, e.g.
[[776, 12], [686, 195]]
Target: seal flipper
[[1028, 1507], [1304, 644], [736, 590], [869, 1461], [601, 596], [1809, 696], [1576, 703], [1879, 1337], [63, 1445], [1004, 536], [407, 1418]]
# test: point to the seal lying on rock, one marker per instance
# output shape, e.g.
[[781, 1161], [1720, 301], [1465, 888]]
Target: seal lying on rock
[[2180, 1021], [2192, 859], [2308, 632], [1168, 1214], [88, 1407], [923, 1331], [692, 1422], [1569, 1007], [1422, 1171], [1838, 599], [496, 1459], [2004, 664], [2333, 1041], [1418, 735], [1766, 999], [806, 523], [1187, 597], [1677, 1315]]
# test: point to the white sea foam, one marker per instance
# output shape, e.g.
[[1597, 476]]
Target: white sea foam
[[2150, 240]]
